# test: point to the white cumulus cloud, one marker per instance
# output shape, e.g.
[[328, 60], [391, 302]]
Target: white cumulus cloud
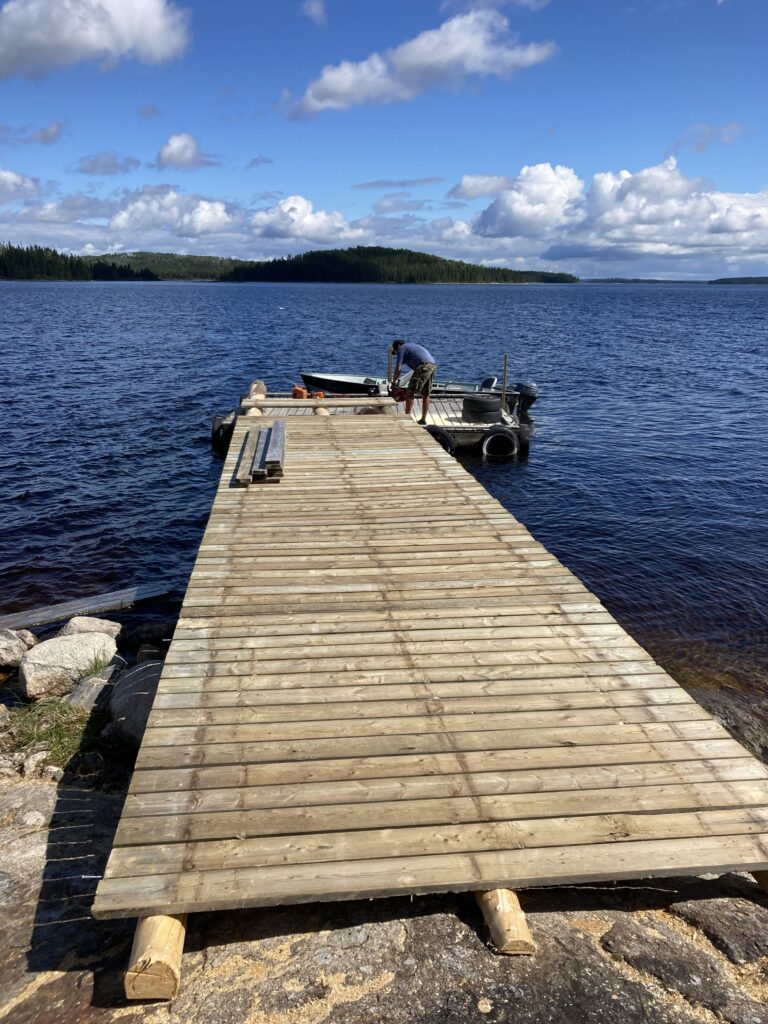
[[183, 153], [15, 186], [539, 200], [295, 217], [476, 43], [166, 209], [37, 36]]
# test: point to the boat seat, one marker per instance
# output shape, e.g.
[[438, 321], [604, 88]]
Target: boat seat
[[489, 382]]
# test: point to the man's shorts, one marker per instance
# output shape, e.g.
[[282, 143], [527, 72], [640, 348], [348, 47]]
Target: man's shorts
[[421, 379]]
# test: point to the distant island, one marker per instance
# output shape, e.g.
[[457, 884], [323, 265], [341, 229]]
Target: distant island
[[740, 280], [359, 265], [362, 264]]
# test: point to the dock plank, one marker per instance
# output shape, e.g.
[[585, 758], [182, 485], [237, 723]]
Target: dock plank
[[380, 684]]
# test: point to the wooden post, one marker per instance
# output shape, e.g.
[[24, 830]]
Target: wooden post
[[154, 970], [504, 386], [506, 921], [258, 389]]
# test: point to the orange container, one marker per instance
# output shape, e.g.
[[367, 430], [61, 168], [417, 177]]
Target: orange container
[[299, 391], [318, 394]]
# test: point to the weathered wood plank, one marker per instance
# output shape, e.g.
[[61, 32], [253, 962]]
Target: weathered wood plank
[[381, 683], [82, 606]]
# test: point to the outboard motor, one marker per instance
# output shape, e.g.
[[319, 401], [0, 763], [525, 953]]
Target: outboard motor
[[221, 432], [528, 395]]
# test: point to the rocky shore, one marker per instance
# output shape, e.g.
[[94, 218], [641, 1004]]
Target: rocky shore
[[74, 706]]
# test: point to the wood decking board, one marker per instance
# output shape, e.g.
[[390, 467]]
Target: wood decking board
[[380, 683]]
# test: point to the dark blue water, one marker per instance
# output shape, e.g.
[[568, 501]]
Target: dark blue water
[[648, 476]]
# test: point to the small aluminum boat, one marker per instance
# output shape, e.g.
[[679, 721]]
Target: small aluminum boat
[[352, 384]]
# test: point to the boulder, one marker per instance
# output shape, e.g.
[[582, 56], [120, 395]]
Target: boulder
[[12, 649], [33, 763], [87, 624], [132, 698], [54, 667], [26, 637], [96, 688]]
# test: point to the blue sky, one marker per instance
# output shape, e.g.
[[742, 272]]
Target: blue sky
[[601, 137]]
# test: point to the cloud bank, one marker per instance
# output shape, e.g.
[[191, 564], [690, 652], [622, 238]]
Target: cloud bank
[[38, 36], [474, 44], [653, 222]]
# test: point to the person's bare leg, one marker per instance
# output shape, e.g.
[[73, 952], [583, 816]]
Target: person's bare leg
[[424, 406], [408, 402]]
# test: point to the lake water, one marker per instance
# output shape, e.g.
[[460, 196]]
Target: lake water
[[648, 475]]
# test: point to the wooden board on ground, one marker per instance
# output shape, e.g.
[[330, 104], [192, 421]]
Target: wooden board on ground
[[382, 684]]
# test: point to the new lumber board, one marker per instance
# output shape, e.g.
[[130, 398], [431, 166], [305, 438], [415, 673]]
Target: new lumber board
[[381, 684]]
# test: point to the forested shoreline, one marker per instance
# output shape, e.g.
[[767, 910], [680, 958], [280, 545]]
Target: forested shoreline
[[363, 264], [39, 263]]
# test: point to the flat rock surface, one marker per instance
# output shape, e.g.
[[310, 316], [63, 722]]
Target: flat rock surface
[[89, 624], [606, 954]]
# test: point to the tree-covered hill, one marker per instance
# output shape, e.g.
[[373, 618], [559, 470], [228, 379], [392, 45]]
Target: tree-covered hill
[[740, 280], [38, 263], [379, 265], [171, 266], [363, 264]]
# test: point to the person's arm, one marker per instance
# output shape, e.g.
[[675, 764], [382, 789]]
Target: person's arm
[[398, 366]]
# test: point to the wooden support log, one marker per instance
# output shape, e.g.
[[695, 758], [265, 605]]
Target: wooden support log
[[254, 412], [506, 921], [154, 969], [258, 389], [320, 411]]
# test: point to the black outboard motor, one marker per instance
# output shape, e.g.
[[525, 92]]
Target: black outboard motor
[[528, 395], [221, 432]]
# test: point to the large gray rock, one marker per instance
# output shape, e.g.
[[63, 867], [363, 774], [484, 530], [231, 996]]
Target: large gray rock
[[28, 638], [12, 649], [87, 624], [54, 667], [132, 698]]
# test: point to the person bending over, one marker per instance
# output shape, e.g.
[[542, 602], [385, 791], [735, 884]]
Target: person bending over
[[423, 365]]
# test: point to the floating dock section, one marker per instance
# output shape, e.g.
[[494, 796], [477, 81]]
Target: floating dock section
[[381, 684]]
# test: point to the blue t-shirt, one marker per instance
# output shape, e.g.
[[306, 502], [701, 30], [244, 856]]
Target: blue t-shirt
[[413, 355]]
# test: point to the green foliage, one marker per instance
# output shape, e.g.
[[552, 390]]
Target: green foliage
[[379, 265], [169, 266], [38, 263], [363, 264], [61, 728]]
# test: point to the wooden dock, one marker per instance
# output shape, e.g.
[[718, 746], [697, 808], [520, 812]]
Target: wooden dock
[[382, 684]]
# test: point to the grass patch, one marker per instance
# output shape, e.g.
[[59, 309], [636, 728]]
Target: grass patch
[[65, 730], [98, 663]]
